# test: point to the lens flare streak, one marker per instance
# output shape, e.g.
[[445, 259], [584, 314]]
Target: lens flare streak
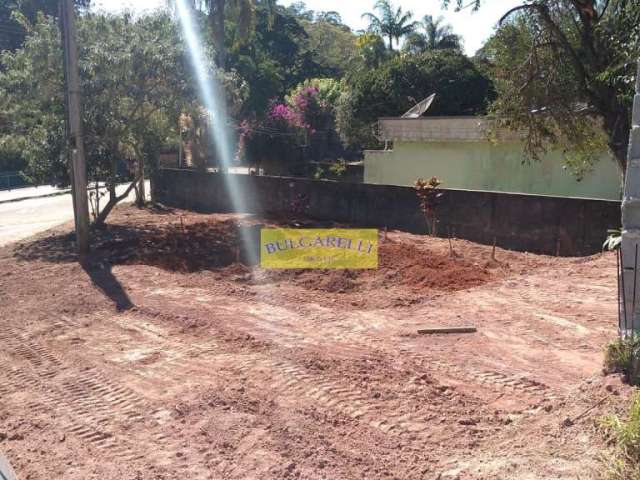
[[212, 95]]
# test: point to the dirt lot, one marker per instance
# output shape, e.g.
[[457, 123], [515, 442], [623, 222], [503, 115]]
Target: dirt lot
[[161, 357]]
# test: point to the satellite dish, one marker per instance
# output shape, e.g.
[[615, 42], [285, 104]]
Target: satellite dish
[[6, 472], [420, 108]]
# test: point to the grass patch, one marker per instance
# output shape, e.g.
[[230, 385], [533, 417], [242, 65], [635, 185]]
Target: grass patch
[[624, 435], [619, 354]]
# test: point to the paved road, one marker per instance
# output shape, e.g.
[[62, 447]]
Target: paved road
[[24, 218], [30, 192]]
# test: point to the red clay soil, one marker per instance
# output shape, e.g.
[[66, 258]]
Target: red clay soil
[[189, 247], [162, 357], [400, 265]]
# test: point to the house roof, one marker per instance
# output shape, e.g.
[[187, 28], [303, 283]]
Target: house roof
[[438, 129]]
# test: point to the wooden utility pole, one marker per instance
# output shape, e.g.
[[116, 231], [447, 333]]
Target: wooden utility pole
[[75, 137]]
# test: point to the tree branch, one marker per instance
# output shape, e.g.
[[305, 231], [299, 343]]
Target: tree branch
[[604, 10], [543, 11], [113, 202]]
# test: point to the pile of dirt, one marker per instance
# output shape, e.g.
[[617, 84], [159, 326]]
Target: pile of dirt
[[190, 247], [178, 246], [198, 243], [401, 264], [406, 264]]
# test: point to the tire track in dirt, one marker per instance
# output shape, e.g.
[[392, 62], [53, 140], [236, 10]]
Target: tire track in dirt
[[76, 406], [295, 382], [178, 358], [89, 401], [356, 341]]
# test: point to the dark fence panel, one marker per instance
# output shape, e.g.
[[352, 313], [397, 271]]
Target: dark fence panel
[[11, 180], [533, 223]]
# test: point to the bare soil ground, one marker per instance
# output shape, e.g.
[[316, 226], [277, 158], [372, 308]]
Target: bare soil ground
[[162, 357]]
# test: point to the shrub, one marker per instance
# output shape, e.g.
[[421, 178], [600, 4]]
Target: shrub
[[338, 169], [624, 435], [619, 355]]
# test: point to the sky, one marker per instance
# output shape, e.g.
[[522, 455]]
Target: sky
[[473, 27]]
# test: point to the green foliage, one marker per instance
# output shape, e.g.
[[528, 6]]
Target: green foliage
[[391, 22], [272, 61], [301, 129], [415, 43], [135, 82], [332, 46], [564, 74], [624, 435], [14, 14], [429, 197], [285, 48], [400, 83], [338, 169], [460, 4], [31, 95], [439, 34], [319, 174], [371, 50], [435, 36], [328, 91], [619, 354], [620, 29]]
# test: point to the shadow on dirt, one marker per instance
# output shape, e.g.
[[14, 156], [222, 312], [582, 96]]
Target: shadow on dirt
[[102, 277], [176, 246]]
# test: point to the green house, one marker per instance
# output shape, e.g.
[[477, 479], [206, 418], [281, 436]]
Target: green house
[[458, 152]]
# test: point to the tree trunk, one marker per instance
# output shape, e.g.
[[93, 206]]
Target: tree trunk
[[142, 196], [113, 201], [216, 18], [140, 189], [617, 131]]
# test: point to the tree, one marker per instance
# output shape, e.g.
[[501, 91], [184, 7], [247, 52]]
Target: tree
[[436, 36], [12, 31], [331, 17], [400, 83], [327, 91], [242, 15], [331, 45], [300, 10], [564, 73], [415, 43], [273, 59], [135, 83], [371, 50], [296, 131], [392, 22], [439, 35]]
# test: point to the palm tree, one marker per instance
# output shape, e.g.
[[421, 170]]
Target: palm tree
[[393, 23], [415, 43], [217, 9], [439, 35], [242, 12]]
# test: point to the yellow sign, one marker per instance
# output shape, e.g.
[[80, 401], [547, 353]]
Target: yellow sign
[[335, 248]]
